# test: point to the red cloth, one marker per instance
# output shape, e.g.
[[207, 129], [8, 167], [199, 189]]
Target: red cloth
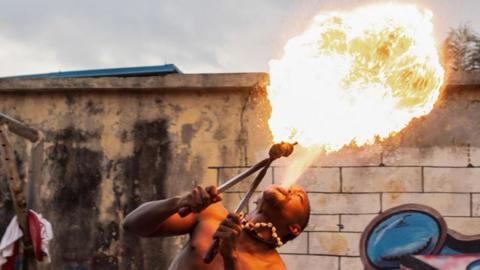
[[9, 265], [35, 228]]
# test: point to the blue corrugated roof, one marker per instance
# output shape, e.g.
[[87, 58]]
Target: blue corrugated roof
[[107, 72]]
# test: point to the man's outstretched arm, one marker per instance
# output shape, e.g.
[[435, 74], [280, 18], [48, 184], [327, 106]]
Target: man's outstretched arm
[[161, 218]]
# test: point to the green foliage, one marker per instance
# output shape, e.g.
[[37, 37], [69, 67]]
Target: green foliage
[[462, 49]]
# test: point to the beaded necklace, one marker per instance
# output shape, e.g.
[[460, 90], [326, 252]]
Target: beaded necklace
[[253, 227]]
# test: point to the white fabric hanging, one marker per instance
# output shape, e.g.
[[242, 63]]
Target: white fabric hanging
[[14, 233]]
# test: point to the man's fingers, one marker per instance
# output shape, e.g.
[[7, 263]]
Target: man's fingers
[[196, 199], [217, 198], [212, 190], [222, 235], [205, 197], [234, 217], [227, 235], [232, 225], [200, 198], [225, 228], [226, 232], [229, 225], [214, 195]]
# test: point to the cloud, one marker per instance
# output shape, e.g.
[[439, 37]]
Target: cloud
[[16, 57], [197, 36]]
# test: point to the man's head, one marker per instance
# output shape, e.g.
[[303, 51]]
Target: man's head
[[287, 208]]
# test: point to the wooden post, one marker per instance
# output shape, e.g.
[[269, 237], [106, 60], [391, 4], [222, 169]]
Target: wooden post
[[19, 128], [18, 195]]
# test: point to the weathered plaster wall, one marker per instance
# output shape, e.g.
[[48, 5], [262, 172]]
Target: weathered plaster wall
[[107, 150]]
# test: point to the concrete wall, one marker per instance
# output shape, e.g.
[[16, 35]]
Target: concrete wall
[[346, 194], [112, 143]]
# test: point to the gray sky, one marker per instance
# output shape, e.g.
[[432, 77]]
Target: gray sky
[[198, 36]]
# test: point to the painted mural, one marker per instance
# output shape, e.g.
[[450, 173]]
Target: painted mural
[[394, 236]]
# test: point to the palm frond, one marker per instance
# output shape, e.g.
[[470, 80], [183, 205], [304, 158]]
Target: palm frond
[[462, 48]]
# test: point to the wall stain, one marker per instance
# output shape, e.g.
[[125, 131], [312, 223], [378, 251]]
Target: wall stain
[[187, 133], [93, 108], [141, 178], [77, 176]]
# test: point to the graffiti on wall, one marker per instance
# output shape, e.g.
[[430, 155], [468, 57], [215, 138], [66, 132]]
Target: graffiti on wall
[[411, 229]]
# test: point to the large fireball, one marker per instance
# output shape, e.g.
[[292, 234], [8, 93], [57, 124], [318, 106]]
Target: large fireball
[[353, 76]]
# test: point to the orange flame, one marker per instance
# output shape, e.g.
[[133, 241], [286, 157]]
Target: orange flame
[[354, 76]]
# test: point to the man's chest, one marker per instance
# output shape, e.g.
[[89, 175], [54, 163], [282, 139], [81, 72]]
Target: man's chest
[[248, 261], [202, 237], [245, 260]]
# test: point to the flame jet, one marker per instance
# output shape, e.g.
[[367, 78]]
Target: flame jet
[[353, 77]]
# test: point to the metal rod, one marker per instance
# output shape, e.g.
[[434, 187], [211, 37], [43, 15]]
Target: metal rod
[[20, 128], [233, 181], [184, 211], [213, 250], [35, 174], [253, 187]]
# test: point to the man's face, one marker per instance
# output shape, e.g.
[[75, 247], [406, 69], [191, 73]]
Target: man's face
[[280, 203]]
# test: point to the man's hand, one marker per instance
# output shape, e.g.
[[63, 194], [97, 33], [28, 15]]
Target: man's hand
[[228, 233], [200, 198]]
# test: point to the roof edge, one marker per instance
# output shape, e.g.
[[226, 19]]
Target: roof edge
[[104, 72], [178, 82], [219, 81]]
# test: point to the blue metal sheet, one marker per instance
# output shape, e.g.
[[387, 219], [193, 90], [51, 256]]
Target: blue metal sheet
[[108, 72]]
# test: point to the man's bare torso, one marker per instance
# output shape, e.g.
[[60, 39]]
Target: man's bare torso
[[191, 256]]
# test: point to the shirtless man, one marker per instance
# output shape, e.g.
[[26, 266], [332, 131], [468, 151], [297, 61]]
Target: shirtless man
[[280, 215]]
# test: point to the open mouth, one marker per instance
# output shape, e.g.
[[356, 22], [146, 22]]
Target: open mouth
[[275, 195], [407, 251], [282, 190]]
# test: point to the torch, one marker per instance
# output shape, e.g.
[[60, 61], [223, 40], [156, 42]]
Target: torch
[[276, 151]]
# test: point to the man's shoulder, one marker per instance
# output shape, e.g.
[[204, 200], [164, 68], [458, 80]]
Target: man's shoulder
[[279, 264], [214, 211]]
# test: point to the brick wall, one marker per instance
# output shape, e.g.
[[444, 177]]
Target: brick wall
[[347, 189]]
